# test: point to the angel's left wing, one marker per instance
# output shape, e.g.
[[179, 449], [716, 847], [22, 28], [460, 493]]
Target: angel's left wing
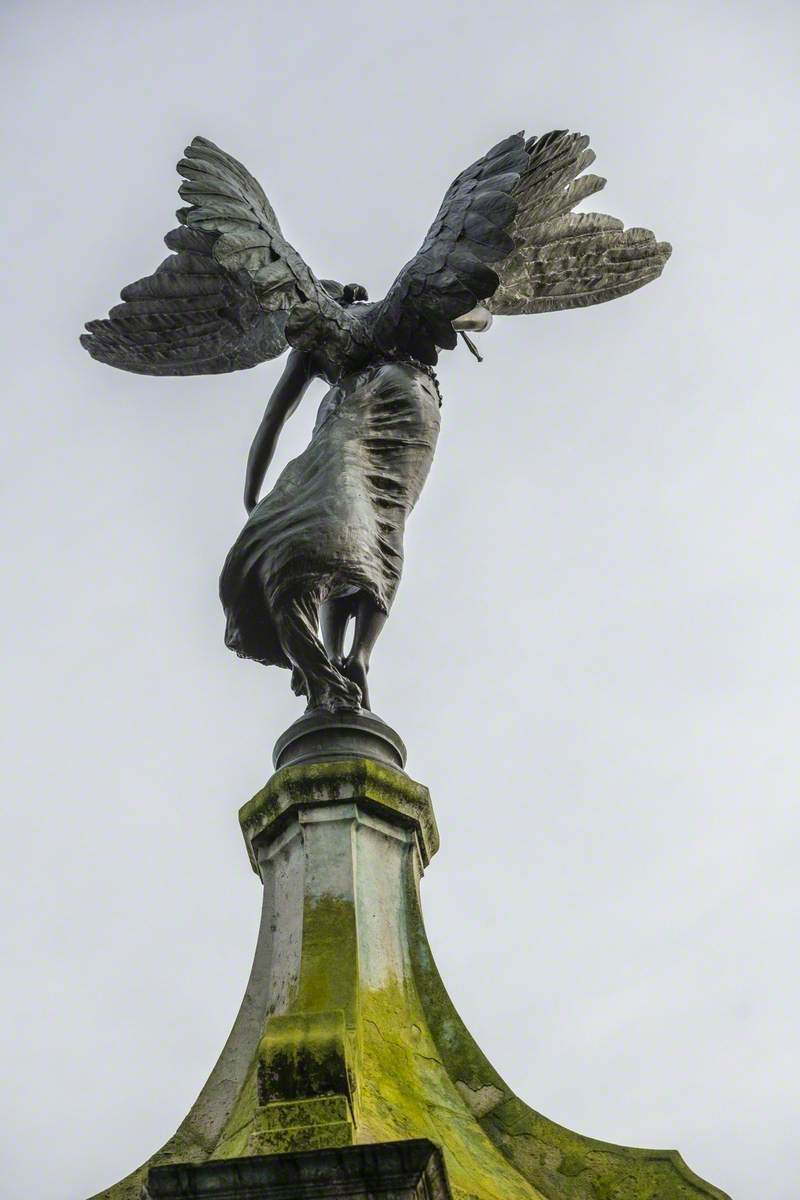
[[221, 300], [513, 209]]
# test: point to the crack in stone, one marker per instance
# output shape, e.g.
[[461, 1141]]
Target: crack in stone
[[400, 1045]]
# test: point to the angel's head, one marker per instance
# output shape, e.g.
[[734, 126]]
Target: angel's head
[[345, 293]]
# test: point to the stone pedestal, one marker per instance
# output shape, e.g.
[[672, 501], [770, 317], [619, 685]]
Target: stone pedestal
[[411, 1170], [347, 1038]]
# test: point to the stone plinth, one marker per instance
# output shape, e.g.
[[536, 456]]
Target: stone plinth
[[334, 737], [412, 1170], [346, 1036]]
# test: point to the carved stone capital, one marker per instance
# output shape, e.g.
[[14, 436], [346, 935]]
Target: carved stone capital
[[382, 790]]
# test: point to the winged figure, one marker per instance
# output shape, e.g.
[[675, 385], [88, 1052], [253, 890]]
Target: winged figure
[[325, 546]]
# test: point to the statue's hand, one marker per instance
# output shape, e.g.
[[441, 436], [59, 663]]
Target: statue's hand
[[477, 320], [250, 497]]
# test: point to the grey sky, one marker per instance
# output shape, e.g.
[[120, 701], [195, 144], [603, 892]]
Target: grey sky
[[595, 653]]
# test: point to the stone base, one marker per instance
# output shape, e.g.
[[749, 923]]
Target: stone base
[[409, 1170], [347, 1052], [321, 736]]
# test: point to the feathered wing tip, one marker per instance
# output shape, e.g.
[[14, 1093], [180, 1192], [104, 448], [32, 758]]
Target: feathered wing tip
[[221, 300], [565, 259], [190, 317]]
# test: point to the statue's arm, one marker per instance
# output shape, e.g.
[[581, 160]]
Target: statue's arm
[[288, 393]]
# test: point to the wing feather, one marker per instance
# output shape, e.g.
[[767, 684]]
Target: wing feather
[[507, 234], [563, 259], [221, 301], [450, 273], [190, 317]]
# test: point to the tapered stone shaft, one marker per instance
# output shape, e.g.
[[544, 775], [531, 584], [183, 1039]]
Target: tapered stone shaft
[[346, 1036]]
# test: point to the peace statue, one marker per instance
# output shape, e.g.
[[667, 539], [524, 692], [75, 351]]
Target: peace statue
[[326, 544]]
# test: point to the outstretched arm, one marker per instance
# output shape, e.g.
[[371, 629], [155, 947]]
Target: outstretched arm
[[288, 393]]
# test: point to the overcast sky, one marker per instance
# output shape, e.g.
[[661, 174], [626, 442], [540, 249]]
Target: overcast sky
[[595, 653]]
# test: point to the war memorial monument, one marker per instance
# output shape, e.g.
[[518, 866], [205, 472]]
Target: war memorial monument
[[348, 1072]]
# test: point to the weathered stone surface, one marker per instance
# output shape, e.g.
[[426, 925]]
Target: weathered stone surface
[[324, 1122], [410, 1170], [374, 786], [303, 1054], [287, 1114], [325, 1136], [345, 997]]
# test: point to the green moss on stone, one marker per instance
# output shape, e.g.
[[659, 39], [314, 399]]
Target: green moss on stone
[[545, 1153], [329, 960], [374, 786], [328, 1136], [303, 1056], [399, 1054], [322, 1110]]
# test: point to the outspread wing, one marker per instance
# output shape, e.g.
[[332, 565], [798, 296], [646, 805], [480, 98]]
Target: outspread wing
[[565, 259], [513, 209], [221, 301], [450, 274]]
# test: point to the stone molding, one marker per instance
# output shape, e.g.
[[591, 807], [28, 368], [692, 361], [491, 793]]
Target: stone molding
[[376, 788], [404, 1170]]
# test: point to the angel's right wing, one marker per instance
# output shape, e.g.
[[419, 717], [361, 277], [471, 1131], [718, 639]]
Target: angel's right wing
[[513, 209], [450, 274], [565, 259], [221, 301]]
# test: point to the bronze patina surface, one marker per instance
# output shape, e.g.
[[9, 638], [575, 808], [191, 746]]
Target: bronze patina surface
[[325, 546]]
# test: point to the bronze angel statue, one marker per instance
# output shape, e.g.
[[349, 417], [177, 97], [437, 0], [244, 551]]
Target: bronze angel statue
[[325, 546]]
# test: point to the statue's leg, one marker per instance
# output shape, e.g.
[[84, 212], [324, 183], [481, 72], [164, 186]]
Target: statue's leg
[[296, 623], [370, 620], [333, 617]]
